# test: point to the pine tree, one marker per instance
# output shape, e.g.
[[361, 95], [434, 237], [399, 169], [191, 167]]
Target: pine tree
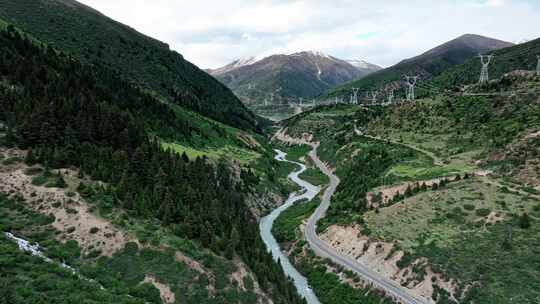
[[185, 158], [524, 221], [30, 159], [60, 182]]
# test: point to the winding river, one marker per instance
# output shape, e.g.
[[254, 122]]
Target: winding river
[[308, 191]]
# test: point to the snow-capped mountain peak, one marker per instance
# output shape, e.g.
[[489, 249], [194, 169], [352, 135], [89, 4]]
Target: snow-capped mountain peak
[[312, 53]]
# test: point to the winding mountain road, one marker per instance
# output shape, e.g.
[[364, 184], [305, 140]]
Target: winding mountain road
[[321, 248]]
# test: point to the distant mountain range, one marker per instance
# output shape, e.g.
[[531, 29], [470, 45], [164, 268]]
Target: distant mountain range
[[281, 78], [426, 65]]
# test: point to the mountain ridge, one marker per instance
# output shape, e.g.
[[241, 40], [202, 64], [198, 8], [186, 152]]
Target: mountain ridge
[[283, 78], [93, 38], [427, 65]]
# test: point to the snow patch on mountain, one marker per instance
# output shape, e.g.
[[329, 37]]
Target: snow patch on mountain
[[361, 64], [245, 61], [236, 64]]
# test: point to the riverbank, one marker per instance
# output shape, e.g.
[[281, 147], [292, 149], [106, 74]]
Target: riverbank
[[308, 192]]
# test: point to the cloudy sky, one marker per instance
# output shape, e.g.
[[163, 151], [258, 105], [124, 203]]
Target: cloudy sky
[[212, 33]]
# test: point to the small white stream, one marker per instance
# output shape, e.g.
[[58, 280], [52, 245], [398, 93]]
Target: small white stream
[[34, 250], [308, 192]]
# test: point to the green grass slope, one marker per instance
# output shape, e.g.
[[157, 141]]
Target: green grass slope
[[95, 39]]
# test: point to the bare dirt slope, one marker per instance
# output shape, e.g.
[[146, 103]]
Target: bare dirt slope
[[382, 258]]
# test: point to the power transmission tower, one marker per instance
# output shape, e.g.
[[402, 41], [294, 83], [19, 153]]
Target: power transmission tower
[[391, 97], [355, 95], [411, 82], [538, 66], [484, 72], [374, 97]]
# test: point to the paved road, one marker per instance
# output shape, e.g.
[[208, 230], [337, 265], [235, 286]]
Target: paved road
[[397, 292]]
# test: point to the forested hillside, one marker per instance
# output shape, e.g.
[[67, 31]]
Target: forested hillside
[[95, 39], [66, 113]]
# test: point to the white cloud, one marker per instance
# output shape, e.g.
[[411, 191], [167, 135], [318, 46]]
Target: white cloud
[[212, 33]]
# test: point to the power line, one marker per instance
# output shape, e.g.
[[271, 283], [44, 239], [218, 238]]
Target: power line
[[522, 51]]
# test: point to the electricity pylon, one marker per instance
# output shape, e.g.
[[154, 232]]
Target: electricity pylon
[[391, 97], [538, 66], [484, 72], [355, 95], [411, 82], [374, 97]]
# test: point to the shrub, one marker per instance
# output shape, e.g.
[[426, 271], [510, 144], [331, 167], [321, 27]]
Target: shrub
[[146, 291], [94, 230], [30, 158], [60, 182], [11, 161], [248, 283], [93, 254], [71, 211], [469, 207], [39, 180], [483, 212], [33, 171], [524, 221]]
